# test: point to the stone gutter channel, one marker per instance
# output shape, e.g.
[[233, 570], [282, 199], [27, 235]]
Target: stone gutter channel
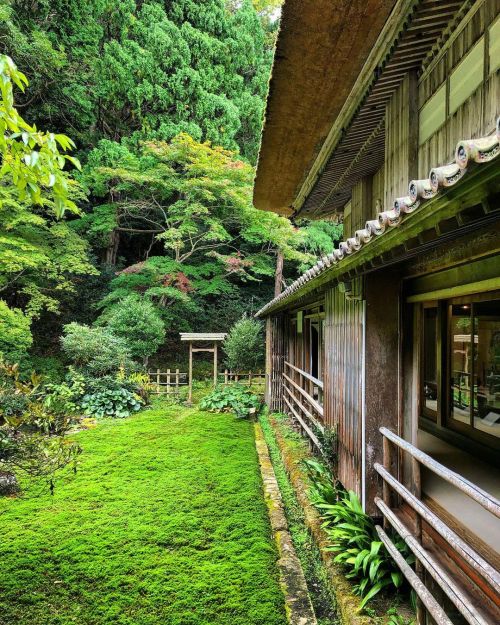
[[298, 604]]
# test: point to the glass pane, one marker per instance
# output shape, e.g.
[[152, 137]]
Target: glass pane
[[430, 362], [461, 363], [487, 367]]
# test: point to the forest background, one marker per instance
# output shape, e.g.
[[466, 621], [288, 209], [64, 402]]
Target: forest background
[[164, 101]]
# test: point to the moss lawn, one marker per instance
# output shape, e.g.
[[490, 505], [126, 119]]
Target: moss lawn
[[164, 523]]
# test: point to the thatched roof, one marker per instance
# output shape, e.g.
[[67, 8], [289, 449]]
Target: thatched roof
[[321, 49]]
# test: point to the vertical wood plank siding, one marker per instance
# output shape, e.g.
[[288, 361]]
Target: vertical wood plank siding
[[401, 133], [343, 381], [477, 115]]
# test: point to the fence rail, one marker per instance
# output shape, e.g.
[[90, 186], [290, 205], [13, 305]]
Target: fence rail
[[303, 396], [168, 381], [242, 377], [480, 575]]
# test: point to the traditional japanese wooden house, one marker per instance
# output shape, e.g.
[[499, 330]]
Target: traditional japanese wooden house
[[384, 114]]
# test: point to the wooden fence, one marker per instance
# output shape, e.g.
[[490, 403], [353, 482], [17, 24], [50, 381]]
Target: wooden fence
[[168, 381], [242, 377]]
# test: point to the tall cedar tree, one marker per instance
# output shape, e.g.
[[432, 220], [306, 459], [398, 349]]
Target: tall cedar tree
[[143, 70]]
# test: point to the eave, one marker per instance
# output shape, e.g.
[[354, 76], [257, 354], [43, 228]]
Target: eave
[[433, 212], [321, 49]]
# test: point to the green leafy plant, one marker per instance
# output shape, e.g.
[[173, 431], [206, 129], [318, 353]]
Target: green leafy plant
[[32, 439], [65, 398], [244, 345], [138, 322], [96, 351], [354, 538], [235, 398], [110, 397], [118, 403]]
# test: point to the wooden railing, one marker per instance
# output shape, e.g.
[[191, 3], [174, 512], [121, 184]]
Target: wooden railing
[[168, 381], [303, 395], [478, 574]]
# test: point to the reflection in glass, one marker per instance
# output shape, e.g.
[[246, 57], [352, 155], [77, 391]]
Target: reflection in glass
[[486, 414], [461, 363], [430, 386]]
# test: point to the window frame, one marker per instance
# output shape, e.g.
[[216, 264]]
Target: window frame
[[444, 422]]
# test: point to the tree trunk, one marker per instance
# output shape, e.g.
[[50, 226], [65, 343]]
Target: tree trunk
[[278, 276], [112, 249]]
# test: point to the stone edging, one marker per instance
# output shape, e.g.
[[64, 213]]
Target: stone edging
[[298, 605], [347, 602]]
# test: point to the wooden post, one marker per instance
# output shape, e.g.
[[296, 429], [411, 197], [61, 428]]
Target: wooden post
[[157, 381], [168, 381], [215, 364], [250, 378], [419, 569], [226, 379], [190, 392], [177, 381], [386, 491]]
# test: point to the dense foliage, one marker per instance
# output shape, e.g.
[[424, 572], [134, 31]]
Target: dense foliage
[[144, 70], [244, 345], [235, 398], [354, 538]]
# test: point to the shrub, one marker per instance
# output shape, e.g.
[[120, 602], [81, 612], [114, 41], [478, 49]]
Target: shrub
[[65, 398], [15, 333], [96, 350], [138, 322], [110, 397], [119, 403], [244, 345], [32, 439], [354, 538], [235, 398]]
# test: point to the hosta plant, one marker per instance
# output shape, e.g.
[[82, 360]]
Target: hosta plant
[[117, 402], [354, 539], [235, 398]]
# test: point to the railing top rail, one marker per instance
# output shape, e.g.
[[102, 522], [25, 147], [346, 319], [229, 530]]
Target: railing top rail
[[308, 376], [485, 499]]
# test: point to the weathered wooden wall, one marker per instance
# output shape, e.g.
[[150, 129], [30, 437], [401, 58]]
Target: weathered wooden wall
[[382, 376], [401, 144], [361, 205], [343, 377], [477, 115]]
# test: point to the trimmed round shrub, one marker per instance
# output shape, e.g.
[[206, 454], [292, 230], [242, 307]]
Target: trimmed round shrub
[[96, 350]]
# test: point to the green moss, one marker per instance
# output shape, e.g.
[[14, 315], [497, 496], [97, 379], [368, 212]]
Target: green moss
[[322, 597], [164, 523]]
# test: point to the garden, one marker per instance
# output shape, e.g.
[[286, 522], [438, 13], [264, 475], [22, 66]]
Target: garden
[[129, 134]]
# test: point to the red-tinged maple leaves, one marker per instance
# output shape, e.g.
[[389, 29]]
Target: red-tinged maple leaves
[[179, 281]]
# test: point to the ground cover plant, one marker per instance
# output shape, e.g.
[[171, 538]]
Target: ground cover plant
[[235, 398], [164, 522]]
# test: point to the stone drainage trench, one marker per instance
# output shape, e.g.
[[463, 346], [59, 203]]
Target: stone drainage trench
[[298, 604]]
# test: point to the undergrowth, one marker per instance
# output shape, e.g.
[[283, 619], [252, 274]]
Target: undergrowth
[[309, 555]]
